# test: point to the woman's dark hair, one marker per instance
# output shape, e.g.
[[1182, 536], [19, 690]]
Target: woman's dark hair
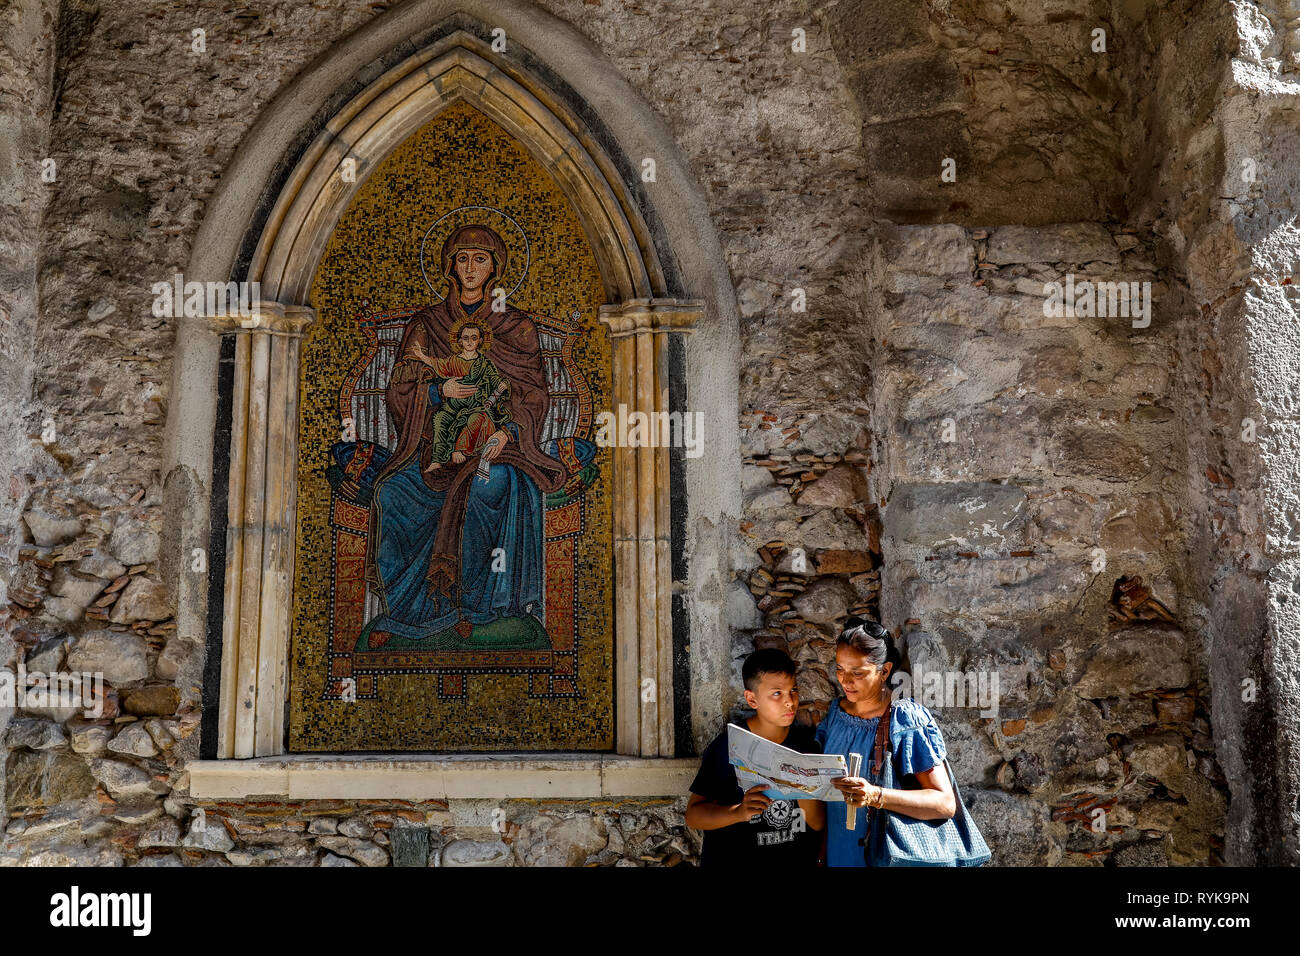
[[867, 637]]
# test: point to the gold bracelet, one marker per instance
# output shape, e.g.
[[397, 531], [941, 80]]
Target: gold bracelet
[[879, 799]]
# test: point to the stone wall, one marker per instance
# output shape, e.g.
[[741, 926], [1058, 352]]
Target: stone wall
[[1061, 500], [1231, 250], [347, 833]]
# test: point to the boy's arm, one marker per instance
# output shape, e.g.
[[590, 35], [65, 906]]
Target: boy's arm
[[814, 814]]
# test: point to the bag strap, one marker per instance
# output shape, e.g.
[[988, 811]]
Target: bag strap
[[878, 757], [880, 742]]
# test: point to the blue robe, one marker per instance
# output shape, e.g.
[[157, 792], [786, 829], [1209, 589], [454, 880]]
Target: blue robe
[[505, 512]]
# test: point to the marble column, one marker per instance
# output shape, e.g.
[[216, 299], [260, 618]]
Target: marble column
[[640, 329], [260, 528]]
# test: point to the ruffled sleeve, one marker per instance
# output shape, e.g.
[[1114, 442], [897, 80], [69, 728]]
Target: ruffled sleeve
[[916, 738]]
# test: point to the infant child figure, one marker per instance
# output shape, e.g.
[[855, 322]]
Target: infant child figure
[[462, 426]]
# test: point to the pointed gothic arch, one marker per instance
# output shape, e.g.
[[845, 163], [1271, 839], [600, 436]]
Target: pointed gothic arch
[[649, 250]]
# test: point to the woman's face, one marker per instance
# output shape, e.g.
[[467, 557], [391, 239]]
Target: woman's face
[[862, 680], [473, 266]]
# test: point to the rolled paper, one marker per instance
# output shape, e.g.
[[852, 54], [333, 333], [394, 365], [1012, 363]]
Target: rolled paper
[[850, 811]]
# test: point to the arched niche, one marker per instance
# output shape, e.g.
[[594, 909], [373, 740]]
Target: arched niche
[[650, 249]]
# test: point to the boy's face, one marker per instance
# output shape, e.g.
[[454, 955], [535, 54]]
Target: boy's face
[[469, 338], [776, 699]]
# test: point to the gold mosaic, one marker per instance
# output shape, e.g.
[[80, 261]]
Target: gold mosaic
[[453, 574]]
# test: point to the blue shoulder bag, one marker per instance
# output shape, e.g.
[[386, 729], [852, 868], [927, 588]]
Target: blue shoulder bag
[[897, 840]]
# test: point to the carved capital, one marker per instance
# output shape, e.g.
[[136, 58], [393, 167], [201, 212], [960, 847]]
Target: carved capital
[[270, 318], [652, 315]]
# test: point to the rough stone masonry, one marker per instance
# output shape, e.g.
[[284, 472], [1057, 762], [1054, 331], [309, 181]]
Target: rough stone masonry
[[1104, 513]]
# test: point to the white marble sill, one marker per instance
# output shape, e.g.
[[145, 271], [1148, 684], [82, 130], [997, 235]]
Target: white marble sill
[[450, 777]]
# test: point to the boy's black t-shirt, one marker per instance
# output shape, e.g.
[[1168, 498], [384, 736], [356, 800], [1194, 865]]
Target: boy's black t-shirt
[[777, 837]]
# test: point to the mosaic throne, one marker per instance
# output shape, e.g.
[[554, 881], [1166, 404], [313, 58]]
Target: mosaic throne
[[369, 439]]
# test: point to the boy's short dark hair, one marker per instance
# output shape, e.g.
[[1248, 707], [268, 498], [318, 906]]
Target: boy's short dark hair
[[769, 660]]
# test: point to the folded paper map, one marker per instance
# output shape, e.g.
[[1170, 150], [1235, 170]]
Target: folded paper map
[[788, 774]]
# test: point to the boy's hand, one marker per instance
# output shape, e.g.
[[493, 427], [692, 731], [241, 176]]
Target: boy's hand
[[754, 803]]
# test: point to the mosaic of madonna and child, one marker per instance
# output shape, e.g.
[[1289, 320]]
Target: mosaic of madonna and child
[[465, 505]]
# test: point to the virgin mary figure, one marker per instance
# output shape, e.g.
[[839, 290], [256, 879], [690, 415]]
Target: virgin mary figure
[[456, 546]]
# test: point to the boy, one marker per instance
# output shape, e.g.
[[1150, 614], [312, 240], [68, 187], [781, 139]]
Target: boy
[[748, 829], [461, 426]]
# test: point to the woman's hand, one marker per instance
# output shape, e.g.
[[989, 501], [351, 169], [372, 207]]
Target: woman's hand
[[501, 436], [934, 800], [454, 388], [855, 789]]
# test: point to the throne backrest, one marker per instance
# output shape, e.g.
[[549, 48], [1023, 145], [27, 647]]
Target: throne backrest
[[362, 395]]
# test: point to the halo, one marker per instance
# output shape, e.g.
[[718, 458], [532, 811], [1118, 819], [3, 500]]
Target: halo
[[485, 330], [478, 219]]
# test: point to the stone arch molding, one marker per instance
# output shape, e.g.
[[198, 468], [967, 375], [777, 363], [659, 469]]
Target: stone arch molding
[[645, 309], [402, 101]]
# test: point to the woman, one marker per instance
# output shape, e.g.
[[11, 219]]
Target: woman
[[457, 557], [865, 657]]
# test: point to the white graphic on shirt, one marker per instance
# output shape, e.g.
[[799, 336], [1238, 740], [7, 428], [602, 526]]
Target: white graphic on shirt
[[778, 814]]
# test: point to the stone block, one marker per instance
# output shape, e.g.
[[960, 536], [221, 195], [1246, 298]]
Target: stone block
[[45, 779], [49, 529], [157, 700], [941, 250], [143, 600], [1017, 828], [863, 33], [100, 565], [476, 853], [989, 585], [1073, 243], [124, 779], [36, 734], [1136, 660], [546, 841], [47, 656], [826, 601], [904, 87], [962, 516], [915, 148], [363, 851], [742, 613], [1145, 853], [410, 846], [89, 738], [134, 541], [207, 832], [81, 591], [120, 656], [133, 741], [1162, 756], [841, 487]]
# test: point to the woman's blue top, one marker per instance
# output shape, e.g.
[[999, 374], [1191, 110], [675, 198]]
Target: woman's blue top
[[917, 746]]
